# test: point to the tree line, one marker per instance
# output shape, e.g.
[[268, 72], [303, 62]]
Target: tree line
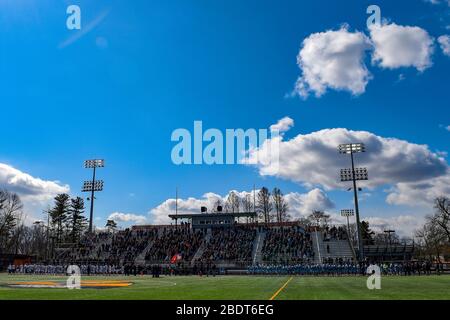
[[65, 223], [434, 235]]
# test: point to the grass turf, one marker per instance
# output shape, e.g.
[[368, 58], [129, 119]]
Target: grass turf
[[237, 288]]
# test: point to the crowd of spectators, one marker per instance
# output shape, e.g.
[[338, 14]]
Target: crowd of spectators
[[287, 245], [182, 242], [231, 244], [126, 245]]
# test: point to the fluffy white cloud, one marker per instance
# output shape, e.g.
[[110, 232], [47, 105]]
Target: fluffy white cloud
[[127, 218], [159, 215], [302, 204], [282, 125], [313, 160], [27, 186], [444, 42], [34, 192], [404, 225], [333, 59], [401, 46], [419, 192]]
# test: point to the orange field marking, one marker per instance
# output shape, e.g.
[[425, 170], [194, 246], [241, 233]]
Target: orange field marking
[[281, 289], [84, 283]]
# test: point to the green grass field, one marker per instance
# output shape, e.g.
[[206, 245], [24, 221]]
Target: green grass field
[[237, 287]]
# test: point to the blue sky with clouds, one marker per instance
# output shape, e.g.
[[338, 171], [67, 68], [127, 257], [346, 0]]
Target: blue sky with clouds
[[137, 70]]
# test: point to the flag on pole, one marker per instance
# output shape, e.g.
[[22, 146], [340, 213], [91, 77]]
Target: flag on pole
[[175, 258]]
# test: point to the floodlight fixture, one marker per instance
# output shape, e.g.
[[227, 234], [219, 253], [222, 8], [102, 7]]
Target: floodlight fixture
[[347, 213], [94, 163], [352, 148], [88, 186], [357, 174]]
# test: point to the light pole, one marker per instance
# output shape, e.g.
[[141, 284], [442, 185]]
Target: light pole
[[347, 213], [390, 243], [354, 174], [94, 185]]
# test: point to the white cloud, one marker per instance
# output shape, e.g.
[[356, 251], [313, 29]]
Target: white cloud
[[27, 186], [313, 160], [401, 46], [302, 204], [282, 125], [34, 192], [424, 192], [404, 225], [435, 2], [127, 218], [159, 214], [333, 59], [448, 128], [444, 42]]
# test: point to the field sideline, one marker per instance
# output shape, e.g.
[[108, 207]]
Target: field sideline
[[237, 288]]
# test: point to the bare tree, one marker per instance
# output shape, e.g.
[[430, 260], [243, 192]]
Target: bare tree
[[441, 218], [382, 238], [319, 217], [233, 203], [264, 204], [432, 239], [10, 216], [280, 205], [247, 204]]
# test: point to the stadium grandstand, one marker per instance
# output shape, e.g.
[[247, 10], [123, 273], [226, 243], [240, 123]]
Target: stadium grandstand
[[221, 243]]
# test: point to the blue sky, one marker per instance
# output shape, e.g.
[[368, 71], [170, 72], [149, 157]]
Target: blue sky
[[145, 68]]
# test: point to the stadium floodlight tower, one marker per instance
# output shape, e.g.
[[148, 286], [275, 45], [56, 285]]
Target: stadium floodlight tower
[[94, 185], [354, 174], [347, 213], [389, 232]]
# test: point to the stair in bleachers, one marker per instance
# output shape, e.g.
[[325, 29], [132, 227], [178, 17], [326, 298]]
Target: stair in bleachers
[[317, 246], [257, 248], [140, 259], [334, 249], [202, 248]]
